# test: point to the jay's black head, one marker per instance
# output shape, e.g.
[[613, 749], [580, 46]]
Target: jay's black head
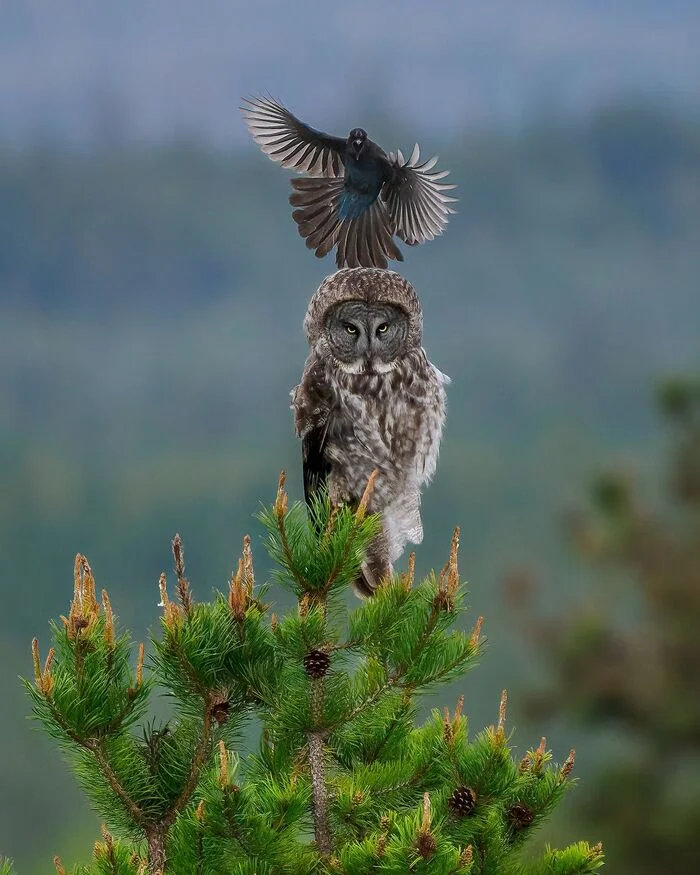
[[357, 138]]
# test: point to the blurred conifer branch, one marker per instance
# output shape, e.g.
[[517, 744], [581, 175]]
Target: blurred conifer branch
[[343, 780], [635, 663]]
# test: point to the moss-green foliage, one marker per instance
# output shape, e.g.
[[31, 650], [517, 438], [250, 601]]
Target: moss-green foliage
[[632, 661], [343, 780]]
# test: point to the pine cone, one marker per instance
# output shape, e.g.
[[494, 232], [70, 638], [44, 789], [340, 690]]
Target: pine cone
[[220, 706], [520, 815], [462, 801], [316, 663], [219, 711]]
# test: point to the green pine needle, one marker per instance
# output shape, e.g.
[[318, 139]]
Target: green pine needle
[[341, 763]]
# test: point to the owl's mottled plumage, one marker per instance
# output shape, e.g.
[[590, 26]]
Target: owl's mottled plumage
[[369, 398]]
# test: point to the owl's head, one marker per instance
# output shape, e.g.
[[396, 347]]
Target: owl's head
[[365, 318]]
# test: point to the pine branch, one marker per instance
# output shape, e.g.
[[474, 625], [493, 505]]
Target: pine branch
[[97, 750], [279, 517], [317, 765], [383, 741], [322, 831], [198, 761], [391, 683], [340, 758], [155, 839]]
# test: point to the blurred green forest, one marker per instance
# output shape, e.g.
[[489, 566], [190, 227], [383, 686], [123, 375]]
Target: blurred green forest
[[151, 303], [625, 664]]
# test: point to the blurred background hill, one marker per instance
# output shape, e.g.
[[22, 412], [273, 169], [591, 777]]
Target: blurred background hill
[[153, 285], [152, 68]]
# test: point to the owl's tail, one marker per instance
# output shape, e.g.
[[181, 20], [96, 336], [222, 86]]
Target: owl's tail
[[366, 241]]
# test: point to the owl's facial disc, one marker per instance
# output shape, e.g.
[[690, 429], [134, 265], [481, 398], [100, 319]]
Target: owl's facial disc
[[366, 338]]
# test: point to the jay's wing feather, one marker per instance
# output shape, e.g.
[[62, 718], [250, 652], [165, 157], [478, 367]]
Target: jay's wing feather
[[290, 142], [416, 199]]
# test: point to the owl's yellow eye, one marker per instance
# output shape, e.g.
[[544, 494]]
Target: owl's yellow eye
[[351, 329], [383, 328]]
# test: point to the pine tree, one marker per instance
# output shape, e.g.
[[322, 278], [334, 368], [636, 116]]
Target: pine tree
[[633, 661], [343, 780]]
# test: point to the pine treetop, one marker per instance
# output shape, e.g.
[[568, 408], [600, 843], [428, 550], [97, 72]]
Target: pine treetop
[[343, 780]]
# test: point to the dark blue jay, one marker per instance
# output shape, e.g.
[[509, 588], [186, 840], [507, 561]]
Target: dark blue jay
[[354, 196]]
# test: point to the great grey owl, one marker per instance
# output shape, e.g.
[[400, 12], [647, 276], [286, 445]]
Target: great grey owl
[[369, 398]]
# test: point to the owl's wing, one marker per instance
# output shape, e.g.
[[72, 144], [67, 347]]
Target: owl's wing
[[434, 412], [286, 139], [315, 467], [416, 199], [311, 403]]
